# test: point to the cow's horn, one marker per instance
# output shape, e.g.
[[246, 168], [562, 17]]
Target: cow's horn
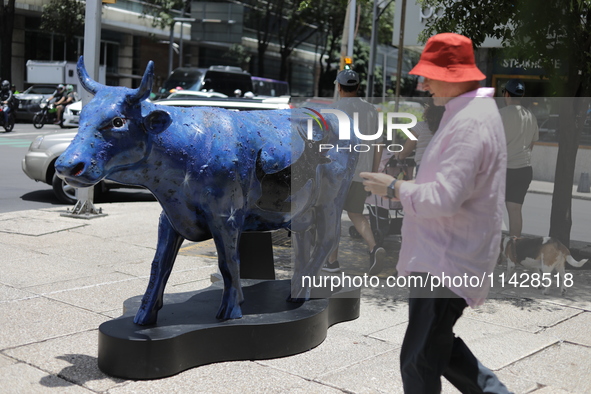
[[143, 92], [87, 83]]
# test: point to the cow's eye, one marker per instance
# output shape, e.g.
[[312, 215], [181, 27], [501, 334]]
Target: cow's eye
[[118, 122]]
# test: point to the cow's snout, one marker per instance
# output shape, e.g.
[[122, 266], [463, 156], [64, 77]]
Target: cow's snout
[[64, 169], [69, 170], [73, 172]]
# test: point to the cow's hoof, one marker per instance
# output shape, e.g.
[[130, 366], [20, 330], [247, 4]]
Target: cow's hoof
[[226, 312], [145, 318]]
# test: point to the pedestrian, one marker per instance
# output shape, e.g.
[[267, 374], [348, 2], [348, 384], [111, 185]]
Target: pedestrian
[[521, 132], [452, 220], [348, 86]]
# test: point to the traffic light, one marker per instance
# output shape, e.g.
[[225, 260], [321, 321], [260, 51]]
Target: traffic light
[[348, 63]]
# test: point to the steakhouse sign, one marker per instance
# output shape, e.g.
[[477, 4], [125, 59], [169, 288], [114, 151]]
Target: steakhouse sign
[[345, 130]]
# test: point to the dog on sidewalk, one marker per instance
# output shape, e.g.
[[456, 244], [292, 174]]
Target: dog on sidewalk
[[544, 254]]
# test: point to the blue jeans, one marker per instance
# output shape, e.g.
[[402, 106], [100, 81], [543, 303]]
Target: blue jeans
[[431, 350], [5, 111]]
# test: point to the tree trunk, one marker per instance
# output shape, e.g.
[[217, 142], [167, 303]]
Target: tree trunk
[[284, 67], [262, 48], [6, 29], [561, 213]]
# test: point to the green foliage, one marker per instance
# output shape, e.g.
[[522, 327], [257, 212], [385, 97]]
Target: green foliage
[[164, 11], [65, 17], [237, 54], [385, 20]]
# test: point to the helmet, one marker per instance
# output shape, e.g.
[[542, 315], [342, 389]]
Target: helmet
[[60, 86], [69, 88], [5, 85], [515, 87]]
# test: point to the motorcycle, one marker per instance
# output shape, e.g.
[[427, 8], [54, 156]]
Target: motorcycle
[[47, 115], [8, 125]]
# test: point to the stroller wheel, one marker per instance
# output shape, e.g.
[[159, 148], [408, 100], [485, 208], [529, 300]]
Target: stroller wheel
[[353, 232]]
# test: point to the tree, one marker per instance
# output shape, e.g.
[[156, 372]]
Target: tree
[[294, 28], [164, 11], [6, 29], [330, 20], [558, 29], [237, 54], [66, 18], [263, 17]]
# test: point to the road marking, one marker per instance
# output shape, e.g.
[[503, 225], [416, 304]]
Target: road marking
[[16, 142]]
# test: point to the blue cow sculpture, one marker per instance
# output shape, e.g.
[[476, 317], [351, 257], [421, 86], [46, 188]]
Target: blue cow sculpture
[[216, 174]]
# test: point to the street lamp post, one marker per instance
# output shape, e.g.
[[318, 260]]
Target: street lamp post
[[171, 41], [374, 43], [372, 51], [400, 54]]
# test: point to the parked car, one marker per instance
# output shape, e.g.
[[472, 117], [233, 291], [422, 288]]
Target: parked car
[[269, 87], [72, 114], [183, 94], [235, 104], [221, 79], [39, 161], [29, 100]]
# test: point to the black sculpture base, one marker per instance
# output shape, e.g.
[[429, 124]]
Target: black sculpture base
[[188, 335]]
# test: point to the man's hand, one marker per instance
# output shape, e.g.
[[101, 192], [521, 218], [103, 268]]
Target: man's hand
[[376, 182]]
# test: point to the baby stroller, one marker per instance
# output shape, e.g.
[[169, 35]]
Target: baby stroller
[[381, 221]]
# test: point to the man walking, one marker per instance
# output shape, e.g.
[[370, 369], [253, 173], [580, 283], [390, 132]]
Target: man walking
[[452, 220], [521, 131], [348, 85]]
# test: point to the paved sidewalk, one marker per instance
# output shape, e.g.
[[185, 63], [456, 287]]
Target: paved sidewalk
[[60, 278]]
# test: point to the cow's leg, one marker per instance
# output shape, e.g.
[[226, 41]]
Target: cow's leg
[[227, 239], [302, 242], [325, 235], [169, 242]]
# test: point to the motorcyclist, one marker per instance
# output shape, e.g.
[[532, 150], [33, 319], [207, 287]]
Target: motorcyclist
[[6, 99], [68, 98], [58, 94]]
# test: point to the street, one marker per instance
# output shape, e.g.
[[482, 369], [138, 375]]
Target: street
[[18, 192]]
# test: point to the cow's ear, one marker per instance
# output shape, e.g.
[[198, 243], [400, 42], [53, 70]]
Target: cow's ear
[[157, 121]]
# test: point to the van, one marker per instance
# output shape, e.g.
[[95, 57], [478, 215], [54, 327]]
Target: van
[[269, 87], [221, 79]]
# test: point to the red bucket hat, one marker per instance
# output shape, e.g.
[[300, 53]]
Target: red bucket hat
[[448, 57]]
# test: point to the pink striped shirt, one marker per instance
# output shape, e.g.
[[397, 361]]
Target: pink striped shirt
[[453, 212]]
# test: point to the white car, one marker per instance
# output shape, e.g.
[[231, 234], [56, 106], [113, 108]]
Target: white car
[[231, 103], [72, 114]]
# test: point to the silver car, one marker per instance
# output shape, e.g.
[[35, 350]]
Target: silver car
[[29, 100], [39, 162]]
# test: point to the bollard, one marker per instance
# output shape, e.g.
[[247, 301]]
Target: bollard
[[584, 186]]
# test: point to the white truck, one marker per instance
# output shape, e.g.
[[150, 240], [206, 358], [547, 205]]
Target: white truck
[[55, 72]]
